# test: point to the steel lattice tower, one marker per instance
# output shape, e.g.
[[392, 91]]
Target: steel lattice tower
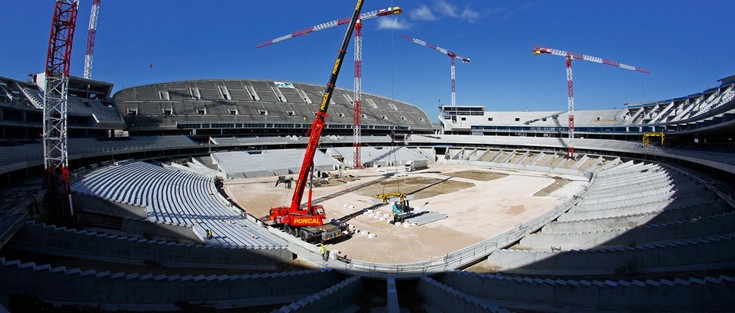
[[56, 162], [91, 34], [356, 131]]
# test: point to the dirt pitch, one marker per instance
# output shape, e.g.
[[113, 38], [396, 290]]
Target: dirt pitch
[[480, 203]]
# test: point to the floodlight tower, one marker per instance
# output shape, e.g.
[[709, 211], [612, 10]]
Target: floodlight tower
[[570, 85], [58, 60], [357, 101], [90, 39], [451, 55]]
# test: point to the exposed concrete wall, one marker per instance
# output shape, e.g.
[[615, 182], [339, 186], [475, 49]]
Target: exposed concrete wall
[[391, 296]]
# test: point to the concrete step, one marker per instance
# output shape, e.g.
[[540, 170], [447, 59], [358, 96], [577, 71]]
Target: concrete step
[[704, 226], [672, 204], [146, 291], [448, 299], [680, 294], [632, 220], [332, 299], [710, 252]]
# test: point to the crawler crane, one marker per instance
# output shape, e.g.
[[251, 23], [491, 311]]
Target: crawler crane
[[308, 223]]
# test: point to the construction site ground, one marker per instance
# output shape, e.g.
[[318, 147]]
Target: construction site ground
[[480, 203]]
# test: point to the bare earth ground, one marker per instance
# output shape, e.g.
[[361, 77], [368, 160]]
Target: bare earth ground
[[480, 203]]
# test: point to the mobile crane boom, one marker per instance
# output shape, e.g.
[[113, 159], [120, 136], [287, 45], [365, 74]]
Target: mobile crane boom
[[294, 216]]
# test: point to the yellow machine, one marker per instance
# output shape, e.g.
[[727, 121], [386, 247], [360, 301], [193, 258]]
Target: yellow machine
[[647, 137], [391, 197]]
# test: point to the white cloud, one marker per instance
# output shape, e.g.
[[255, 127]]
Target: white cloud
[[392, 23], [509, 12], [423, 13], [469, 15], [446, 8], [450, 10]]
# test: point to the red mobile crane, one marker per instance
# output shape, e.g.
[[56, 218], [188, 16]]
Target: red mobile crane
[[570, 85], [308, 223]]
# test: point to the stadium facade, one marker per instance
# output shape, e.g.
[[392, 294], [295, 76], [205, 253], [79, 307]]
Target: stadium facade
[[203, 108]]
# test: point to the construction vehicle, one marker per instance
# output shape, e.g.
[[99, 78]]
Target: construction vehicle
[[308, 223], [415, 165], [402, 209], [286, 181]]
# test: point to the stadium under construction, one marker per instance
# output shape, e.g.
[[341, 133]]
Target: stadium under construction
[[187, 196]]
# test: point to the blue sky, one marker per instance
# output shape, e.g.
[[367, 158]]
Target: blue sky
[[685, 44]]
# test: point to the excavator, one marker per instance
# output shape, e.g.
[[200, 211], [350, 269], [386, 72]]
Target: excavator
[[308, 222]]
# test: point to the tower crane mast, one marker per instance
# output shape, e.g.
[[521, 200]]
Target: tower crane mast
[[357, 101], [58, 60], [569, 56], [451, 55], [91, 33]]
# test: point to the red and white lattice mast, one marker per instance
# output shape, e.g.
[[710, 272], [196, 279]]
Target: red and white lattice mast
[[570, 84], [56, 162], [356, 130], [451, 55], [90, 39]]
